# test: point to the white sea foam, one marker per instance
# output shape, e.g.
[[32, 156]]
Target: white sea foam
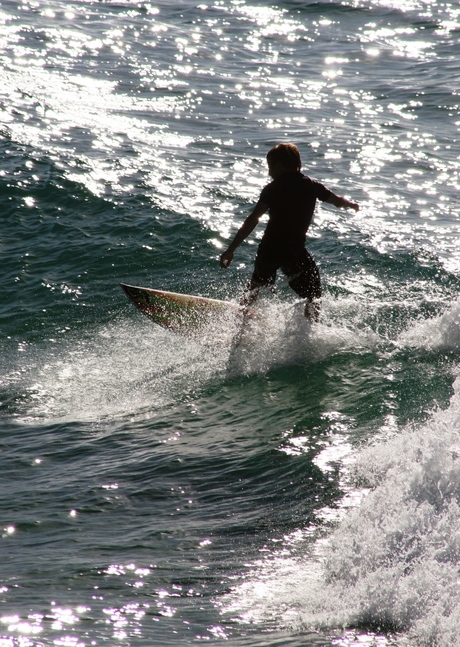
[[134, 366], [392, 562], [123, 368], [277, 334], [442, 332], [394, 559]]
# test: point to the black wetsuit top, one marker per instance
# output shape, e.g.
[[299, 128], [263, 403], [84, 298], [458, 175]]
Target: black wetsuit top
[[291, 199]]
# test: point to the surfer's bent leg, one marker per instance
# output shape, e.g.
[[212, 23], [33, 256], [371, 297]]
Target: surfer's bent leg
[[304, 279], [264, 275]]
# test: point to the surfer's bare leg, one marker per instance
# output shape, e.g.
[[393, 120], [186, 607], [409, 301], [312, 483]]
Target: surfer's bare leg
[[312, 310], [249, 296], [304, 279], [253, 288]]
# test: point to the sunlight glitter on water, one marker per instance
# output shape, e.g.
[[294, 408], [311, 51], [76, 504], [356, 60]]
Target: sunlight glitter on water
[[172, 109], [149, 144]]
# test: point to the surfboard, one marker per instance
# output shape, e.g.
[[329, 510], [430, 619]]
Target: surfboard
[[175, 311]]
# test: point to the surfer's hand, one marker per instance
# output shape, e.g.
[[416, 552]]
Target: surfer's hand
[[226, 258]]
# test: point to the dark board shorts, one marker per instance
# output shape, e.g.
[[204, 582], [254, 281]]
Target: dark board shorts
[[301, 271]]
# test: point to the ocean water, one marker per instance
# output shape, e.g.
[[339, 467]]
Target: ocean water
[[301, 487]]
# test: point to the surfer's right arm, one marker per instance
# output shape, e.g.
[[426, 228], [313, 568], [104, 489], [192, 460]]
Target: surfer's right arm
[[342, 203], [243, 232]]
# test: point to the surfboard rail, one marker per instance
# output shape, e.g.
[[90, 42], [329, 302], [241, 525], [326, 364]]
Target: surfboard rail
[[174, 310]]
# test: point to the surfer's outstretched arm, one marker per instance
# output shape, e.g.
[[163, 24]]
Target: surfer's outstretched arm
[[243, 232], [341, 202]]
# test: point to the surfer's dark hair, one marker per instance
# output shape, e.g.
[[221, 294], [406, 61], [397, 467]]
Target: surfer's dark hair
[[286, 154]]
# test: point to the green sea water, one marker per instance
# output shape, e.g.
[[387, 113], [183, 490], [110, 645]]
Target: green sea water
[[300, 487]]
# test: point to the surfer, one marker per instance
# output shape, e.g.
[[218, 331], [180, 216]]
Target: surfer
[[290, 200]]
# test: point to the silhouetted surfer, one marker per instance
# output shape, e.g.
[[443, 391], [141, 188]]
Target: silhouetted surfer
[[290, 200]]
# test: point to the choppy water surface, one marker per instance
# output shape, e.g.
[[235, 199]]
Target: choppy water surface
[[301, 487]]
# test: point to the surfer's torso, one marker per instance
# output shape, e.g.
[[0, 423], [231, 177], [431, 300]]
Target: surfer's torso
[[291, 199]]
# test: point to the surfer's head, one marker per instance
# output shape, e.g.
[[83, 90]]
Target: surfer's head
[[282, 158]]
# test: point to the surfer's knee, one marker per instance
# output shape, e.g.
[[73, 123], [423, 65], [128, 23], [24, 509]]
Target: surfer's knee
[[307, 286]]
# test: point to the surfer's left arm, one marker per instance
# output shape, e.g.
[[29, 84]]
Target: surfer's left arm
[[243, 232], [341, 202]]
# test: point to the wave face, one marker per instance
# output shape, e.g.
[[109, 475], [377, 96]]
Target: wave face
[[272, 483]]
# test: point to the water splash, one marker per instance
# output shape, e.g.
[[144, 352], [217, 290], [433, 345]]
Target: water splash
[[442, 332], [277, 334], [120, 369], [392, 562]]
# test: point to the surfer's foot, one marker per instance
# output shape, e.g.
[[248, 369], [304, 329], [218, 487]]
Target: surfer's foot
[[312, 311], [248, 313], [249, 297]]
